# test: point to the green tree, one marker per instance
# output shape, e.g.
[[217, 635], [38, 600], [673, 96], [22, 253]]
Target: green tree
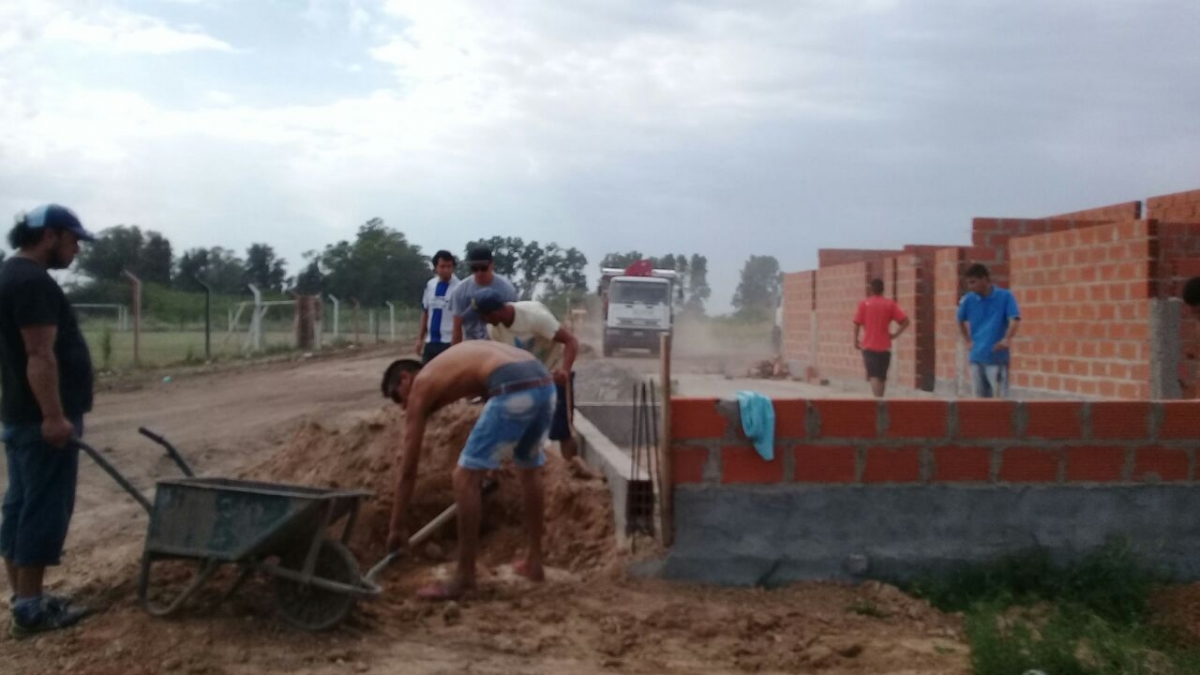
[[698, 290], [536, 270], [224, 272], [192, 263], [115, 250], [379, 265], [156, 259], [760, 288], [311, 281], [264, 269]]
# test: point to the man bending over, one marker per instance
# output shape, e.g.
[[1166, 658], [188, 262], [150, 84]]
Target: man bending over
[[520, 405]]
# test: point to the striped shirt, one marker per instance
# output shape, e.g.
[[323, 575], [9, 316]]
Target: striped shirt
[[437, 303]]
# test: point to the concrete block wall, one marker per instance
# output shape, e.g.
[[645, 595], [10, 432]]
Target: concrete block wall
[[888, 489], [1180, 207], [839, 290], [1085, 297]]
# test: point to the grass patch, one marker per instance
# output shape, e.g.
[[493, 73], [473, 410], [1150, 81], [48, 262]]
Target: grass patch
[[1089, 617]]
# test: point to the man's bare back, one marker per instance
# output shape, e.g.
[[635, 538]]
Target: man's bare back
[[460, 372], [517, 417]]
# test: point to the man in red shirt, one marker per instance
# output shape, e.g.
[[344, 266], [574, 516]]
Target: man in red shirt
[[875, 316]]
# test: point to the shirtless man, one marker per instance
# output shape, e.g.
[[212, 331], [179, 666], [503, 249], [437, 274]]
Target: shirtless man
[[520, 405]]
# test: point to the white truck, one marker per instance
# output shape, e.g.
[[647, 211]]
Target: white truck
[[638, 306]]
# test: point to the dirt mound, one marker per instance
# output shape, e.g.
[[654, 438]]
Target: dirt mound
[[1177, 608], [579, 520]]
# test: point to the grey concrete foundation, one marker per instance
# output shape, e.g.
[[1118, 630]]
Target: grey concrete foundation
[[779, 534]]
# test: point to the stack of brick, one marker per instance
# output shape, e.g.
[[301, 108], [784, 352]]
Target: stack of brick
[[1089, 283]]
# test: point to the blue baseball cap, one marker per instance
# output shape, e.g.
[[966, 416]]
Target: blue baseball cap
[[486, 301], [58, 217]]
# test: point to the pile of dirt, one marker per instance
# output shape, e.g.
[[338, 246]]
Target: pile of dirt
[[579, 521], [1177, 608]]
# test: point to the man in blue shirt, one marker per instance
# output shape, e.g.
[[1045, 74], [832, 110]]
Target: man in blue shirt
[[437, 325], [988, 318]]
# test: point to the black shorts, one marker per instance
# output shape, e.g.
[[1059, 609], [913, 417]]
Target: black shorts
[[560, 428], [432, 350], [877, 364]]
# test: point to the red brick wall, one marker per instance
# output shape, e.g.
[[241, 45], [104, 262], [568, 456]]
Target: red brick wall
[[799, 303], [860, 442], [993, 235], [839, 291], [1179, 207], [1111, 214], [1085, 306], [830, 257], [913, 354]]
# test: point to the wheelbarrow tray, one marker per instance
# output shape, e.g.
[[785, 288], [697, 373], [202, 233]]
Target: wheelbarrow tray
[[229, 520]]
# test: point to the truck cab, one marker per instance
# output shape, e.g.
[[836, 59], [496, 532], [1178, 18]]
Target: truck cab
[[638, 307]]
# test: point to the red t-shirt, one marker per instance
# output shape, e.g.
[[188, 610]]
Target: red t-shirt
[[875, 315]]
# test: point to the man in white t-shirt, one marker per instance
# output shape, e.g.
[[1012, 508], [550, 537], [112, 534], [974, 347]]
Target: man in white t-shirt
[[530, 326], [437, 322]]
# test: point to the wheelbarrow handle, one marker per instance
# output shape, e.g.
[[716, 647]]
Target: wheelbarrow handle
[[116, 475], [171, 451]]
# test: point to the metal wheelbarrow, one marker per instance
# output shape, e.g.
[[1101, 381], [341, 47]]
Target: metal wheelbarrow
[[279, 530]]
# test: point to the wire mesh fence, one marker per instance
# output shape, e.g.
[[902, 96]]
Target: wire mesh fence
[[235, 330]]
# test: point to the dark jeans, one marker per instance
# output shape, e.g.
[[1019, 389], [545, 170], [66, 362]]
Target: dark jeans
[[432, 350], [40, 498], [560, 428]]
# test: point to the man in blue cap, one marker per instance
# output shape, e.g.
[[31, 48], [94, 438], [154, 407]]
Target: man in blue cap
[[47, 382]]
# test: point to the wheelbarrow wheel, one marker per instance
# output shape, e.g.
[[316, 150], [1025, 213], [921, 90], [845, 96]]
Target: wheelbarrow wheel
[[309, 607]]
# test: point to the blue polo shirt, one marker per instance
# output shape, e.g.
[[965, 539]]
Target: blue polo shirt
[[988, 319]]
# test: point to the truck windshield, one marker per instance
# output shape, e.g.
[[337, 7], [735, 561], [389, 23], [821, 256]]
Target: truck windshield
[[631, 292]]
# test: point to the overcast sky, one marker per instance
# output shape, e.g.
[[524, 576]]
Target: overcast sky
[[723, 128]]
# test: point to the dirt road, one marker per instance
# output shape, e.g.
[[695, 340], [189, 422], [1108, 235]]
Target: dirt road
[[586, 620]]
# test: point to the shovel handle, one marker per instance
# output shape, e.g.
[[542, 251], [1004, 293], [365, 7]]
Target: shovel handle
[[489, 486]]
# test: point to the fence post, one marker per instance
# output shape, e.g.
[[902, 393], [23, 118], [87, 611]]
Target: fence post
[[337, 311], [391, 320], [137, 317], [357, 325], [207, 318], [256, 320], [666, 470]]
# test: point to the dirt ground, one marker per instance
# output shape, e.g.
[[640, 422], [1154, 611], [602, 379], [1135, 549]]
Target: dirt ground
[[322, 422]]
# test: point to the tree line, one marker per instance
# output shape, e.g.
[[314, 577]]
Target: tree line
[[380, 264]]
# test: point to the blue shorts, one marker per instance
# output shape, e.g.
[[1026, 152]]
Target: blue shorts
[[40, 498], [516, 422]]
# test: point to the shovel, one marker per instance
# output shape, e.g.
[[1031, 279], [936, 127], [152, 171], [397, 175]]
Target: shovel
[[489, 486]]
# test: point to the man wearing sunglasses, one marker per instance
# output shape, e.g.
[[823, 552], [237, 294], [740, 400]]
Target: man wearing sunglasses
[[468, 324]]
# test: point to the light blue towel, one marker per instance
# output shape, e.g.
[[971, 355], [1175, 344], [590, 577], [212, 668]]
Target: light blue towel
[[758, 422]]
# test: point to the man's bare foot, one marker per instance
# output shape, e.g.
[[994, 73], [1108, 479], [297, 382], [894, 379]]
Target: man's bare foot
[[442, 591], [579, 469], [534, 573]]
